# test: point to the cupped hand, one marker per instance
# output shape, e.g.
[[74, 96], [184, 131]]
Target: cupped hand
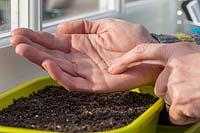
[[100, 41], [178, 83], [75, 70], [109, 38]]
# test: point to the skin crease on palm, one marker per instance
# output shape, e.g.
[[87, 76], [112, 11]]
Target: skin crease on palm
[[79, 55]]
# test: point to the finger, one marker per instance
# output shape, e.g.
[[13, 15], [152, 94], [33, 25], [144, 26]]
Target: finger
[[37, 57], [177, 116], [45, 39], [142, 52], [185, 102], [15, 40], [78, 27], [160, 88], [65, 79], [19, 39], [31, 53]]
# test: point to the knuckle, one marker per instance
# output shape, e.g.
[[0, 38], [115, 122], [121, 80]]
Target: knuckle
[[170, 87], [189, 113], [177, 98], [141, 48], [180, 116], [177, 78], [172, 64], [175, 63], [177, 72], [174, 115], [174, 92]]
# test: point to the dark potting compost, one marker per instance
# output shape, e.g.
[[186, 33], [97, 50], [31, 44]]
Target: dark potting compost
[[56, 109]]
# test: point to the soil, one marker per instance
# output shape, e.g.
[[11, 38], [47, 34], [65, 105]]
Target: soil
[[56, 109]]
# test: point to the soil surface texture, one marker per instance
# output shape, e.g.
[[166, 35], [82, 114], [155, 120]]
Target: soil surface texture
[[56, 109]]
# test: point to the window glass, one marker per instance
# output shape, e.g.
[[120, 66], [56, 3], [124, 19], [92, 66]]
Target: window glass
[[5, 13], [58, 9]]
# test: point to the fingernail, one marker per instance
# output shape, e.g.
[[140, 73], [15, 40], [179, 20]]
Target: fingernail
[[44, 65]]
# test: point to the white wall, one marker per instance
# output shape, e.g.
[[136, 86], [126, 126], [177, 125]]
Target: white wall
[[158, 16]]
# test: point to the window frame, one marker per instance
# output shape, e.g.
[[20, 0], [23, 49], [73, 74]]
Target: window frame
[[129, 6], [4, 39], [28, 14], [112, 12], [22, 15]]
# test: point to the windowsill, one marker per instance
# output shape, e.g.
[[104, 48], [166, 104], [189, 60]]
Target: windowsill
[[5, 39]]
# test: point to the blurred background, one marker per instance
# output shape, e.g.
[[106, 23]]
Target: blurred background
[[159, 16], [172, 13]]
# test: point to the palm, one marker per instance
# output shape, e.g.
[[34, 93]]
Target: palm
[[110, 38], [95, 78]]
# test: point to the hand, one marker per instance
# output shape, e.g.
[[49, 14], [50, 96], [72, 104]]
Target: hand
[[178, 83], [110, 38], [75, 70], [41, 46]]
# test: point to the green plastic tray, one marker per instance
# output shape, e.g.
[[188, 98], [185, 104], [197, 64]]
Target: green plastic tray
[[194, 129], [145, 123], [173, 129]]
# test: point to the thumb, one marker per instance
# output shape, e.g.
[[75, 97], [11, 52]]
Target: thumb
[[141, 53], [79, 27]]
